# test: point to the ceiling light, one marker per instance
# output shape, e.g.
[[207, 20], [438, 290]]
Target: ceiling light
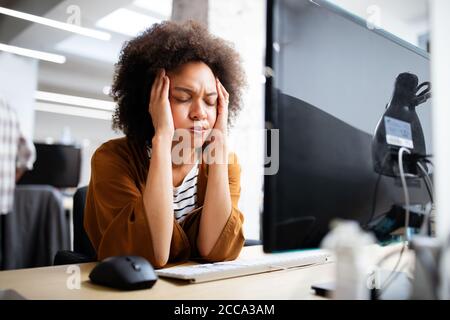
[[90, 48], [126, 22], [57, 24], [73, 111], [75, 100], [33, 53]]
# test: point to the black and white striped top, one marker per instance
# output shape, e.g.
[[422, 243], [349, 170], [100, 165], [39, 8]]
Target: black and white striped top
[[185, 195]]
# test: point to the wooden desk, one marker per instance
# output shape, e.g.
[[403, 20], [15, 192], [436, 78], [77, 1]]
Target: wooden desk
[[293, 284]]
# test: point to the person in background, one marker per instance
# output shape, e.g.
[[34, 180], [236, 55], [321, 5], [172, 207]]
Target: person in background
[[17, 155], [173, 81]]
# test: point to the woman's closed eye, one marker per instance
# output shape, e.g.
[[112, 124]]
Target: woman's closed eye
[[211, 102], [183, 99]]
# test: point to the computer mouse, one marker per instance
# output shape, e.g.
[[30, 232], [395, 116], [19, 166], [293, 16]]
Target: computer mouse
[[124, 272]]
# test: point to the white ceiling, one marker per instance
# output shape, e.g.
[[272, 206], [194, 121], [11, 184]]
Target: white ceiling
[[90, 62]]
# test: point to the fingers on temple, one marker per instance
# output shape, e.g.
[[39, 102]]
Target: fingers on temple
[[165, 88], [219, 90], [154, 90], [224, 92], [160, 82]]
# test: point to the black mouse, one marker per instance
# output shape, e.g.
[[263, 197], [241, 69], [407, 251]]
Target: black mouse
[[124, 272]]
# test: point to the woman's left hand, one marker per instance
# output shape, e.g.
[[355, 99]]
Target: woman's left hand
[[218, 136], [222, 109]]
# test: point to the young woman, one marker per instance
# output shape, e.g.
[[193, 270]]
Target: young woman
[[174, 83]]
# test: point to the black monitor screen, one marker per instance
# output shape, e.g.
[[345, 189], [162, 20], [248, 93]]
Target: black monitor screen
[[330, 79], [58, 165]]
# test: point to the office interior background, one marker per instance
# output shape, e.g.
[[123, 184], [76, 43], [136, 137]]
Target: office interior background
[[54, 100]]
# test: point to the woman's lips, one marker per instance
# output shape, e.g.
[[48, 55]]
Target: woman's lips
[[197, 130]]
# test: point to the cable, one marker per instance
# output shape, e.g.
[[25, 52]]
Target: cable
[[428, 182], [405, 188], [393, 275], [387, 284], [429, 186], [428, 161], [386, 256], [429, 189], [427, 177], [375, 196], [422, 96]]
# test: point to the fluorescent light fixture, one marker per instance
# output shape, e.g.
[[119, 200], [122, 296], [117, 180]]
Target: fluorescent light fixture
[[57, 24], [90, 48], [33, 53], [126, 22], [162, 7], [75, 100], [73, 111]]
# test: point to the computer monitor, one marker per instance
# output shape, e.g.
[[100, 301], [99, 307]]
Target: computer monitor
[[329, 80], [58, 165]]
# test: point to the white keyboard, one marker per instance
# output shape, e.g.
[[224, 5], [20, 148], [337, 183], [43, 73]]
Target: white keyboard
[[242, 267]]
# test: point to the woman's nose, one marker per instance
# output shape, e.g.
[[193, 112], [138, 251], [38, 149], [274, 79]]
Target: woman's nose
[[198, 111]]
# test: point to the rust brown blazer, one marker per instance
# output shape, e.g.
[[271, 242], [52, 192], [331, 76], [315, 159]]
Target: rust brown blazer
[[115, 220]]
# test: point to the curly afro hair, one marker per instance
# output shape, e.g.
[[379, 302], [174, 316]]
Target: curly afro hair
[[169, 45]]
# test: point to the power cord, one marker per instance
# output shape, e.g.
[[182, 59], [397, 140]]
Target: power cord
[[427, 180], [429, 186], [393, 275], [405, 188]]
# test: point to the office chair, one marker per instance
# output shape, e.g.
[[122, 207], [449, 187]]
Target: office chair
[[83, 250], [252, 242], [81, 242], [36, 229]]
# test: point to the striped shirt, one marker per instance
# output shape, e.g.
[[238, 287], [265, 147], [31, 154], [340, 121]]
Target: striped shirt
[[185, 195], [16, 152]]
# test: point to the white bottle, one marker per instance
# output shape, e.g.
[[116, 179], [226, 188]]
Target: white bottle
[[350, 243]]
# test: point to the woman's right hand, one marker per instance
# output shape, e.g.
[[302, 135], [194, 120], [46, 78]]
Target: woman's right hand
[[159, 106]]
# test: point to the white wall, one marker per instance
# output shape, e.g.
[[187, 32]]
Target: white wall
[[243, 23], [18, 82]]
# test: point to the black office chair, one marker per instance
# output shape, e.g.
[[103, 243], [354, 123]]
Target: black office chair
[[252, 242], [81, 242], [83, 250]]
